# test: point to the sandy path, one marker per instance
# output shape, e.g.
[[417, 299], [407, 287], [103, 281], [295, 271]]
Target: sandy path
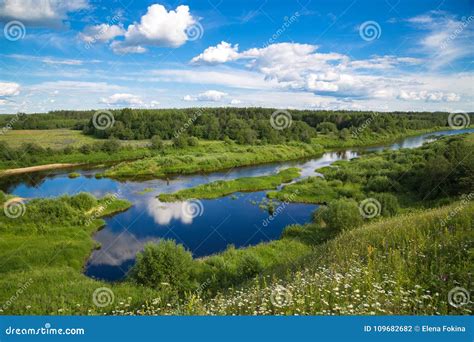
[[36, 168]]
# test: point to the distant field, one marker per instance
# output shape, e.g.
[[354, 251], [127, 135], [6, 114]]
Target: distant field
[[55, 138]]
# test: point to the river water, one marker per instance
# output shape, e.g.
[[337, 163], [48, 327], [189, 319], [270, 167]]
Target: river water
[[204, 227]]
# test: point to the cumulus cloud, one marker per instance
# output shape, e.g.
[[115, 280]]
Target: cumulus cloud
[[101, 33], [158, 27], [209, 96], [221, 53], [9, 89], [122, 99], [301, 67], [49, 13]]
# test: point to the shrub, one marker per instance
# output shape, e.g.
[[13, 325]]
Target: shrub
[[388, 203], [164, 264], [156, 143], [110, 145], [378, 184], [83, 201], [340, 215], [249, 266], [180, 141], [193, 141]]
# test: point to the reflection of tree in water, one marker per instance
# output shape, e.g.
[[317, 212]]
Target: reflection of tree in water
[[30, 180]]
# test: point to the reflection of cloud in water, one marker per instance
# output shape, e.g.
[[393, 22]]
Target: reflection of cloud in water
[[163, 213], [124, 247]]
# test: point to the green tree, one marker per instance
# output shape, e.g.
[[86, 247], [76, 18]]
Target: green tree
[[164, 264], [340, 215]]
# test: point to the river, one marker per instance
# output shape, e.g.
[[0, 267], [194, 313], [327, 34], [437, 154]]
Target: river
[[204, 227]]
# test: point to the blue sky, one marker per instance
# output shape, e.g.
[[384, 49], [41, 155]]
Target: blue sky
[[363, 55]]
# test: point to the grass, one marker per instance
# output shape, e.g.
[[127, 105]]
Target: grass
[[52, 138], [58, 138], [93, 158], [74, 175], [398, 172], [332, 141], [211, 156], [403, 265], [43, 254], [145, 191], [222, 188]]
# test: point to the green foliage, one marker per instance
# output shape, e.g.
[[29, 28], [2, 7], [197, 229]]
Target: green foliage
[[388, 203], [404, 265], [222, 188], [210, 156], [74, 175], [342, 214], [157, 143], [164, 265]]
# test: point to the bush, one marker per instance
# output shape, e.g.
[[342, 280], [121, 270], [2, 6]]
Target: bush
[[83, 201], [156, 143], [388, 203], [111, 145], [249, 266], [193, 141], [180, 141], [340, 215], [164, 264], [378, 184]]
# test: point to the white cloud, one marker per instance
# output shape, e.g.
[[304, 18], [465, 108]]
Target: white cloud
[[46, 59], [121, 99], [223, 52], [9, 88], [300, 67], [235, 102], [209, 96], [428, 96], [222, 76], [158, 27], [40, 12], [447, 38], [119, 48], [101, 33]]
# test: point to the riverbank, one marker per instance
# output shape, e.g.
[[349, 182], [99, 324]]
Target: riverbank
[[141, 162], [210, 157], [223, 188]]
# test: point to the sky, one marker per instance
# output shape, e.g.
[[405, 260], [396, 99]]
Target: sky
[[384, 55]]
